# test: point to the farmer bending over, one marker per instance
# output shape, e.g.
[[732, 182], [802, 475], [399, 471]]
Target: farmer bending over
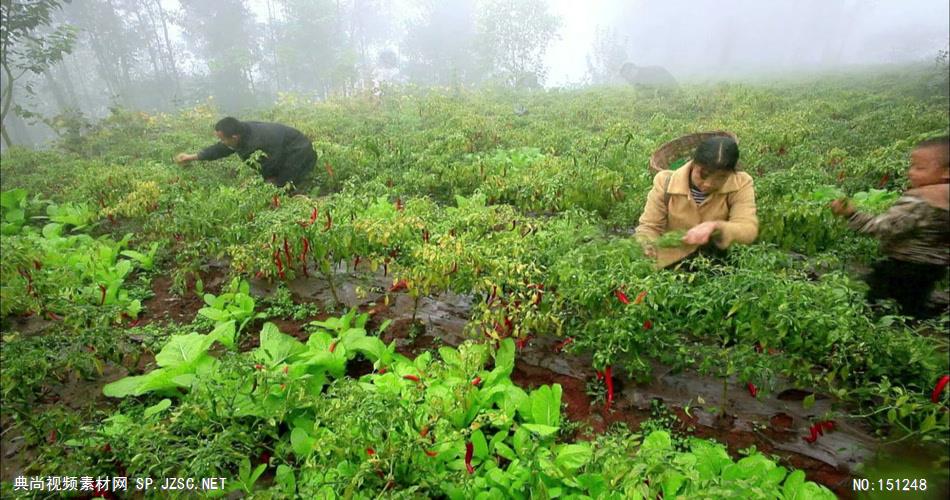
[[914, 232], [288, 154], [706, 197]]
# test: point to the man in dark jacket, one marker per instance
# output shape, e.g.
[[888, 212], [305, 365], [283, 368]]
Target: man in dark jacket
[[288, 154]]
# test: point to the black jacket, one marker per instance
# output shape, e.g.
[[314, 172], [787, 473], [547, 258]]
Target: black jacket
[[289, 153]]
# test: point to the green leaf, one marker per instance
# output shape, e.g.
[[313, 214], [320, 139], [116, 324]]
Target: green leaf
[[183, 350], [301, 442], [224, 333], [285, 479], [276, 347], [809, 401], [541, 430], [157, 408], [479, 445], [573, 456], [657, 441]]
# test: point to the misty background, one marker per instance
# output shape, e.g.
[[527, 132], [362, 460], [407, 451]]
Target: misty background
[[68, 64]]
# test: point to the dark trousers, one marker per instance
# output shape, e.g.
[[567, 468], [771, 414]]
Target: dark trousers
[[297, 168], [908, 283]]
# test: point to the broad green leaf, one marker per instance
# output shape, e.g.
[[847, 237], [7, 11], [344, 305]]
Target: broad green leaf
[[573, 456], [301, 442], [183, 350], [541, 430], [276, 347]]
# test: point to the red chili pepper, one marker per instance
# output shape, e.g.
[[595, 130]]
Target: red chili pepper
[[53, 316], [37, 264], [329, 168], [333, 346], [259, 274], [264, 457], [287, 251], [411, 377], [102, 295], [608, 376], [753, 390], [329, 224], [280, 265], [600, 375], [640, 297], [828, 425], [258, 366], [935, 396], [178, 237], [399, 203], [313, 215], [455, 268], [647, 325], [286, 369], [813, 437], [562, 344], [477, 381], [381, 371], [431, 453], [370, 451], [884, 178], [622, 297], [424, 431], [399, 286], [306, 248], [275, 201], [135, 323], [283, 386], [469, 450]]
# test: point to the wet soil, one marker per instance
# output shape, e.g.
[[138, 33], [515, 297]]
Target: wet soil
[[774, 423]]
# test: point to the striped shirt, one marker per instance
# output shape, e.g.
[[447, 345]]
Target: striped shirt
[[698, 196]]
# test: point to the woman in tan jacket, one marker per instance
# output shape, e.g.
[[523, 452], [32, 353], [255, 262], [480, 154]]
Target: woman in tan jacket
[[707, 198]]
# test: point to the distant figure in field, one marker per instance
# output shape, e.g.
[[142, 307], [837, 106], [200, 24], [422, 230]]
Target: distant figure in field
[[914, 232], [648, 77], [288, 154]]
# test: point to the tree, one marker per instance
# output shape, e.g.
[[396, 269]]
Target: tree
[[513, 36], [440, 45], [223, 33], [606, 58], [29, 43]]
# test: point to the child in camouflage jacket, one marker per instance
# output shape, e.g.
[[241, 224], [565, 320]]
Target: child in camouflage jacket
[[914, 233]]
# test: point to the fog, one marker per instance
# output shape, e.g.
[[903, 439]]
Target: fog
[[65, 65]]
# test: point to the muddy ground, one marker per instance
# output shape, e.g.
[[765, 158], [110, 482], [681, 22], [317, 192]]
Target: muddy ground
[[774, 423]]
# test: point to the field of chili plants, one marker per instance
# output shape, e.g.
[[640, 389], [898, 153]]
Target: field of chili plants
[[458, 308]]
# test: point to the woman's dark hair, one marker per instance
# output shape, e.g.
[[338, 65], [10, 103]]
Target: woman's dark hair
[[938, 142], [230, 126], [717, 154]]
